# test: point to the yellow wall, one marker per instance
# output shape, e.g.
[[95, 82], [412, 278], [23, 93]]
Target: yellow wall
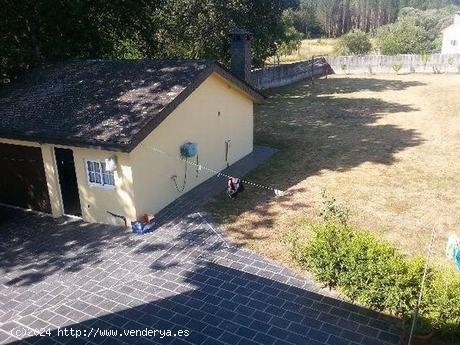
[[52, 179], [195, 120], [96, 201]]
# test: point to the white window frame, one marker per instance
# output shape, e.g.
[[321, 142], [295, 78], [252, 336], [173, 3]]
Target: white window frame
[[101, 173]]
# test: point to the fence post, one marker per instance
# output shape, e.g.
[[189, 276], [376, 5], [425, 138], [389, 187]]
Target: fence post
[[324, 68], [312, 69]]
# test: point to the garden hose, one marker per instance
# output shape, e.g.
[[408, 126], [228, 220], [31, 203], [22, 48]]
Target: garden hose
[[174, 178]]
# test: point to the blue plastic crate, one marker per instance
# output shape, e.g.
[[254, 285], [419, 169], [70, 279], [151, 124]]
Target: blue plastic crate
[[142, 228]]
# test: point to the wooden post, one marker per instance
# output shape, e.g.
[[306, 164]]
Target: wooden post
[[327, 70], [312, 68]]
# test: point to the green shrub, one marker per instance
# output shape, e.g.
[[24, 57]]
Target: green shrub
[[403, 37], [291, 39], [425, 57], [441, 302], [422, 326], [127, 49], [378, 276], [375, 274], [332, 211], [355, 42], [397, 67], [325, 255]]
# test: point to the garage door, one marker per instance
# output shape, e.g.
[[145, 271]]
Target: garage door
[[22, 178]]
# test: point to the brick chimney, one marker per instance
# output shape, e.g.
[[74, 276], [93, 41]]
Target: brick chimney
[[240, 52]]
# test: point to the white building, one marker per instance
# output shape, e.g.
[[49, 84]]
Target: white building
[[451, 37]]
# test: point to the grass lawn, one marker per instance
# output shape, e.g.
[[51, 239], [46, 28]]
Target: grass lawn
[[310, 47], [386, 146]]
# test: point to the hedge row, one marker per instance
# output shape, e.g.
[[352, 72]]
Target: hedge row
[[375, 274]]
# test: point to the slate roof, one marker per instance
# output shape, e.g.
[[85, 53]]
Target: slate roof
[[105, 104]]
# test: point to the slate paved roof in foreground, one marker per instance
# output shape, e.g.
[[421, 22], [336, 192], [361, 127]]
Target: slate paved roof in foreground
[[110, 104], [186, 275]]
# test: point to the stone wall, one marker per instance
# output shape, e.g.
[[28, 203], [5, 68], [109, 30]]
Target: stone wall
[[285, 74], [410, 63]]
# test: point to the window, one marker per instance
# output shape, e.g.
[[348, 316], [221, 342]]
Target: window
[[98, 175], [453, 42]]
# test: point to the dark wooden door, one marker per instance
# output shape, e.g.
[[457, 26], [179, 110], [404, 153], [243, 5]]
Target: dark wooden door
[[22, 178], [68, 181]]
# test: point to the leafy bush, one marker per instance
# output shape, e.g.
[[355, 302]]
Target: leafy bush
[[375, 274], [354, 43], [332, 211], [403, 37], [60, 30], [415, 32], [378, 276], [422, 327], [397, 67], [425, 57], [127, 49], [441, 302], [325, 255], [433, 21], [365, 269], [291, 39]]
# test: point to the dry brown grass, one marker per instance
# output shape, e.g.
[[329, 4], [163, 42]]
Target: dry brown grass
[[387, 146], [308, 48]]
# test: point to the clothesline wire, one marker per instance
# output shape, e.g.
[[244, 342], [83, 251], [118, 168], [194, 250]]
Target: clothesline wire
[[216, 172], [422, 283]]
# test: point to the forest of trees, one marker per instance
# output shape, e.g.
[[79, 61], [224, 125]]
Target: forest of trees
[[39, 31], [332, 18]]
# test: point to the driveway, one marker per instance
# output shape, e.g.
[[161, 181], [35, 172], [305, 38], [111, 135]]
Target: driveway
[[185, 283]]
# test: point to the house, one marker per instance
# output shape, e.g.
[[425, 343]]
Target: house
[[101, 138], [451, 37]]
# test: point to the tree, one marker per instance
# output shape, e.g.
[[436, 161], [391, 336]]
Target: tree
[[433, 21], [403, 37], [415, 31], [305, 19], [199, 28], [291, 39], [355, 42], [337, 17], [427, 4], [34, 32]]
